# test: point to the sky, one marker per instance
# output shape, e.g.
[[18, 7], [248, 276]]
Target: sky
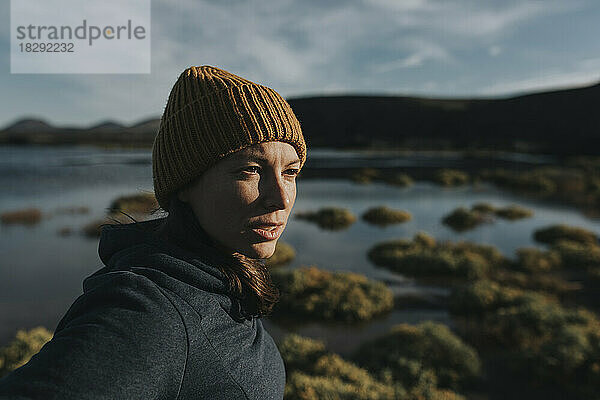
[[431, 48]]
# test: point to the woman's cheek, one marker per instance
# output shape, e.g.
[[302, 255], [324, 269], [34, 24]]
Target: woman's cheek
[[246, 192]]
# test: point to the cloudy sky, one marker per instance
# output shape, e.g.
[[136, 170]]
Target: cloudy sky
[[445, 48]]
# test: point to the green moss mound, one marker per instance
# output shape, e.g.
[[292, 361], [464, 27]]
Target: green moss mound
[[25, 344], [555, 233], [384, 216], [538, 181], [486, 208], [123, 210], [365, 175], [431, 346], [139, 203], [27, 216], [577, 255], [422, 257], [331, 218], [451, 177], [313, 293], [93, 229], [513, 212], [399, 179], [530, 259], [546, 341], [314, 373], [284, 254], [462, 219]]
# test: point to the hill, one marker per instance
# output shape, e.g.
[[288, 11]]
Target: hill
[[558, 122]]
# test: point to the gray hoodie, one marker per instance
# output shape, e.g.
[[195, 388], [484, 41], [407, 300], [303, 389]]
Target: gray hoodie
[[155, 323]]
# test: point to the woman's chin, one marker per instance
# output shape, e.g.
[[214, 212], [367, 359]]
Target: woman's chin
[[261, 250]]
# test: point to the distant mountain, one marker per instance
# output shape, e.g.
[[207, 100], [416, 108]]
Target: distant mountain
[[559, 122], [30, 125], [107, 126]]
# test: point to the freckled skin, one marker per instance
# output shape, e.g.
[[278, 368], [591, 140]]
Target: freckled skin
[[257, 183]]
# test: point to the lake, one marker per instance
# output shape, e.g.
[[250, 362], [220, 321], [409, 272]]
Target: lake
[[41, 272]]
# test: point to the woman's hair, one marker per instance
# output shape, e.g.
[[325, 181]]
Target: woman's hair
[[248, 279]]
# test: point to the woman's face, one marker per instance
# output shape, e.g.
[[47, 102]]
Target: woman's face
[[245, 199]]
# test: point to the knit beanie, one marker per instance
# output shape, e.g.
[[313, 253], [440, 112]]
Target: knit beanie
[[210, 114]]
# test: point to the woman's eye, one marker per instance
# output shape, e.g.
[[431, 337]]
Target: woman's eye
[[292, 171], [251, 169]]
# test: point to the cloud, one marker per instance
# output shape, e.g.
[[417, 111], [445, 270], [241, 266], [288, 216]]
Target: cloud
[[494, 51], [581, 74], [420, 52]]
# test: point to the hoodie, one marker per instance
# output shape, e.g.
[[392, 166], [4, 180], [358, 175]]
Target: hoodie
[[157, 322]]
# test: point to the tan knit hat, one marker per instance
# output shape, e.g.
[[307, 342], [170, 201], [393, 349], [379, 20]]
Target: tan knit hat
[[211, 113]]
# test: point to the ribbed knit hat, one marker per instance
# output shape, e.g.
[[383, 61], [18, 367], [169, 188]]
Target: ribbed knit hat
[[210, 114]]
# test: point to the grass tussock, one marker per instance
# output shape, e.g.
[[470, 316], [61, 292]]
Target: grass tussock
[[450, 177], [408, 351], [139, 203], [316, 294], [284, 254], [560, 232], [123, 210], [463, 219], [25, 344], [513, 212], [330, 218], [27, 216], [315, 373], [423, 257], [546, 342], [384, 216], [399, 179], [365, 175]]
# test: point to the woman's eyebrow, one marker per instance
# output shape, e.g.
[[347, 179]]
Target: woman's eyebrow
[[258, 159]]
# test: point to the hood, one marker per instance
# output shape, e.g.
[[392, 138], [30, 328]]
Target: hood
[[178, 248]]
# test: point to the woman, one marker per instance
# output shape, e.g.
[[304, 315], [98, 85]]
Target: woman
[[175, 312]]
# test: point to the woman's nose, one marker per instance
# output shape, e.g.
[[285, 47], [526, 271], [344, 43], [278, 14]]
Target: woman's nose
[[275, 194]]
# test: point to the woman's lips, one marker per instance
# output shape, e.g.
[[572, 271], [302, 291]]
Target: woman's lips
[[269, 232]]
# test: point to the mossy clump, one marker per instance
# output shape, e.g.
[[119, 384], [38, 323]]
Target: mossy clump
[[365, 175], [538, 181], [93, 229], [134, 204], [317, 294], [481, 297], [425, 258], [123, 210], [384, 216], [25, 344], [399, 179], [451, 177], [548, 342], [513, 212], [554, 233], [530, 259], [428, 346], [538, 281], [284, 253], [462, 219], [331, 218], [577, 255], [315, 373], [27, 216], [482, 207]]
